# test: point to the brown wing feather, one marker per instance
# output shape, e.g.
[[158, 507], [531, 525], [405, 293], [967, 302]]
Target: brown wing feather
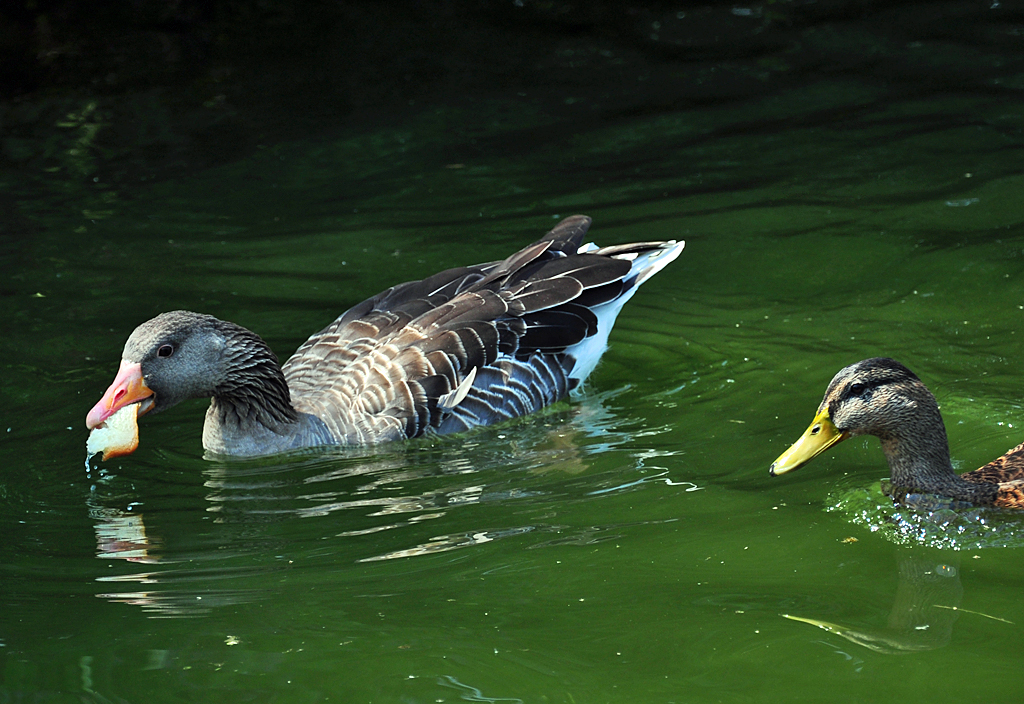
[[1005, 475], [1008, 468], [1010, 495], [375, 374], [567, 236]]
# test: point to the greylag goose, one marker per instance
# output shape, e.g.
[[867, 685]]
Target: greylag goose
[[469, 346], [881, 397]]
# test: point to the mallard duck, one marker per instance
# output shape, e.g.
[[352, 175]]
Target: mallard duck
[[469, 346], [881, 397]]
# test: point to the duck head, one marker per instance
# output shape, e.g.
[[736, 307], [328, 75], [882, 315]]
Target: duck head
[[877, 396]]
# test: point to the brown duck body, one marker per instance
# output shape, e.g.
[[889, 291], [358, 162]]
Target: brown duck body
[[1006, 475], [468, 346], [881, 397]]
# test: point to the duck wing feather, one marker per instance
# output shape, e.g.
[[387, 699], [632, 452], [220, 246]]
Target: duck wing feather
[[1005, 475], [1007, 468]]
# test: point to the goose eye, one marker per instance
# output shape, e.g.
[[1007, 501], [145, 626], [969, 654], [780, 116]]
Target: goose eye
[[165, 351]]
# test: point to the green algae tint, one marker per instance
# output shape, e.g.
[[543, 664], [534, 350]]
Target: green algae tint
[[627, 546]]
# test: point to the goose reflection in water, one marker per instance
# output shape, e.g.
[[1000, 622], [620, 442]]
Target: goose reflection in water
[[123, 535], [376, 503]]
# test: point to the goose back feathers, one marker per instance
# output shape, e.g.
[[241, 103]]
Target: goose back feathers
[[468, 346]]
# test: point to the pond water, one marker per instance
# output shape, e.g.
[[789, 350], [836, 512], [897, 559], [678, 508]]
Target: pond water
[[627, 546]]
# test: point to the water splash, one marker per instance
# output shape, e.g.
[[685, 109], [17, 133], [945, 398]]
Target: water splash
[[930, 523]]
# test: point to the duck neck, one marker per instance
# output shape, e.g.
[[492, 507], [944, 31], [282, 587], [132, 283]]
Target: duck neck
[[925, 467], [233, 429]]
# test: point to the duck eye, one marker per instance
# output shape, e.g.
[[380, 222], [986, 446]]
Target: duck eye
[[165, 351], [857, 389]]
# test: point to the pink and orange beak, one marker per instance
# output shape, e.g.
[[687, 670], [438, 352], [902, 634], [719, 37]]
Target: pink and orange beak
[[128, 388]]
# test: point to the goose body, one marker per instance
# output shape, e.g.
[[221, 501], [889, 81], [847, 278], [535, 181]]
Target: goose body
[[881, 397], [468, 346]]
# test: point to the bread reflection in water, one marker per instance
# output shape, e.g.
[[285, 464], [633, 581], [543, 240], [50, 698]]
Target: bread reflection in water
[[121, 535]]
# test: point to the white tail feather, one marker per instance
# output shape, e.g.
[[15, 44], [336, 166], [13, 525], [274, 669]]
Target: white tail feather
[[644, 266]]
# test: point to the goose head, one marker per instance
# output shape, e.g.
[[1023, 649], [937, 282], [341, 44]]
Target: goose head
[[166, 360]]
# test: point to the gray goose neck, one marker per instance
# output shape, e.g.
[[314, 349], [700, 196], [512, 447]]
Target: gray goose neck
[[253, 387], [251, 411]]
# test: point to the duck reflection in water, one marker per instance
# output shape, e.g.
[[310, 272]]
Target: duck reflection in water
[[373, 491], [924, 609]]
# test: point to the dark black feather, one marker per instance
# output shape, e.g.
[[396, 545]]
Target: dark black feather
[[588, 269], [555, 329], [511, 265], [567, 236], [599, 295], [547, 293]]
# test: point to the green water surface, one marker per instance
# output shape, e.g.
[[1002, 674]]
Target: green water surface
[[628, 546]]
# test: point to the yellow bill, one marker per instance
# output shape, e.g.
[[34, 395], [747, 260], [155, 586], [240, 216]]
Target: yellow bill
[[821, 435]]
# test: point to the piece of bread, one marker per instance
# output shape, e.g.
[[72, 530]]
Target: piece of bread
[[118, 435]]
